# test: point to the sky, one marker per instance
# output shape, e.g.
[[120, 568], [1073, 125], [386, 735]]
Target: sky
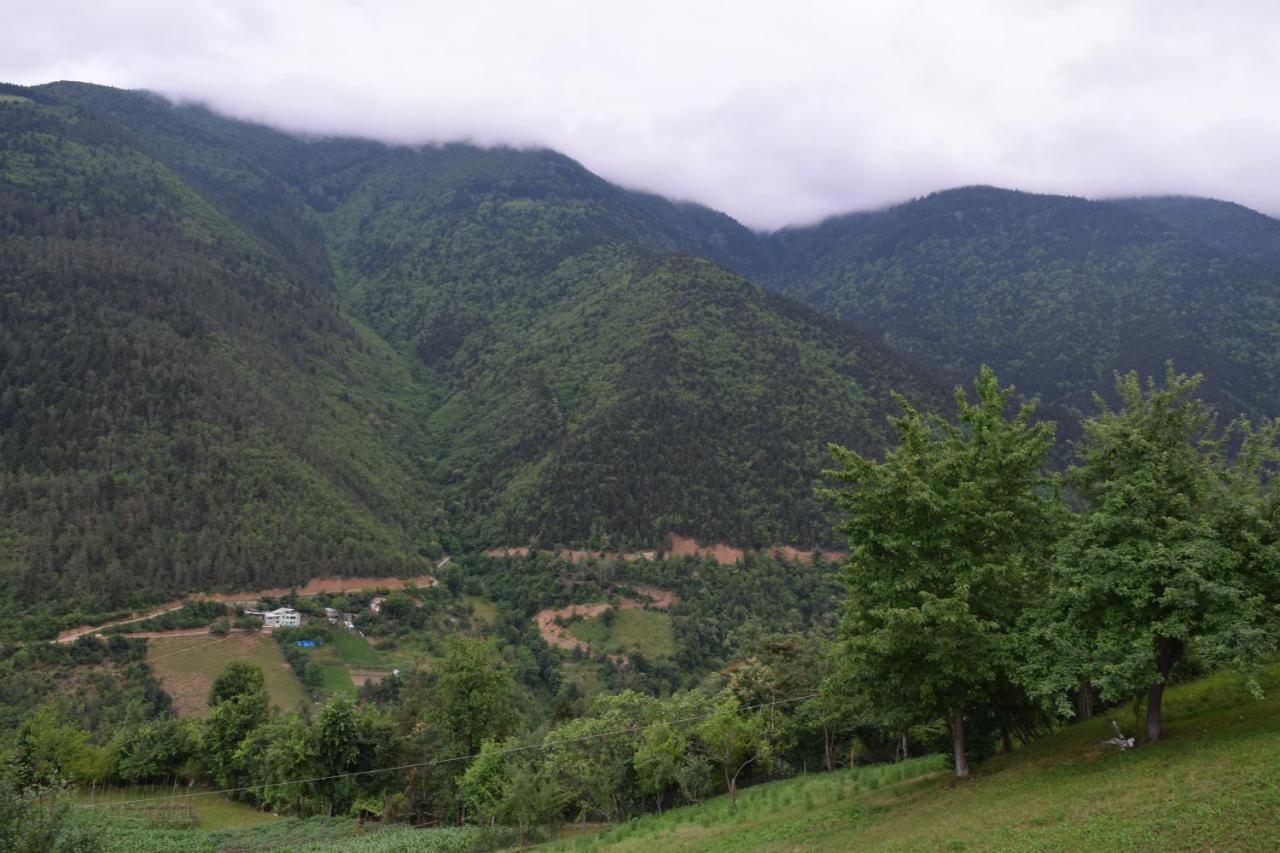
[[776, 113]]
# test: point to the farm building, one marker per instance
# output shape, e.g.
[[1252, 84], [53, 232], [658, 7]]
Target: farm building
[[347, 620]]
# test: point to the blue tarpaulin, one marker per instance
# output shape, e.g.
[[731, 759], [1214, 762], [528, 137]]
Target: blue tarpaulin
[[306, 644]]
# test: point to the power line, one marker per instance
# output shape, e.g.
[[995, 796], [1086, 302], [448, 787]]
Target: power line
[[438, 761]]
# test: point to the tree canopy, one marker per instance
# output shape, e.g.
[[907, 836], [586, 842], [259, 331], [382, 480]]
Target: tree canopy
[[949, 537], [1174, 551]]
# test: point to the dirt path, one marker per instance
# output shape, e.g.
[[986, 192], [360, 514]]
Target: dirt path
[[560, 638], [176, 632], [679, 546], [190, 648], [660, 599], [316, 586], [72, 634], [319, 586]]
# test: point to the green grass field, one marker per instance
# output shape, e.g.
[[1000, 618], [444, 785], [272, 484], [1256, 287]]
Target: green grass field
[[646, 630], [118, 834], [1213, 784], [485, 610], [337, 679], [336, 658], [355, 650], [209, 813], [187, 666]]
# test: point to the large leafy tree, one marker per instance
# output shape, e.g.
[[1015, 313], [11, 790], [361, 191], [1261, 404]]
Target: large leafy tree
[[475, 694], [736, 740], [949, 536], [238, 705], [1176, 549]]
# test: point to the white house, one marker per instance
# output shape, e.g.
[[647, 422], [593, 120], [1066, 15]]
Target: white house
[[281, 617]]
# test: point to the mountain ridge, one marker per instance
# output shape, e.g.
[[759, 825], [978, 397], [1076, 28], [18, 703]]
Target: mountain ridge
[[469, 348], [558, 371]]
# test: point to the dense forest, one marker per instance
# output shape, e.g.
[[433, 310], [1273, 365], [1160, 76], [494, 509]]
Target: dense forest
[[178, 409], [231, 357], [1056, 293], [195, 396]]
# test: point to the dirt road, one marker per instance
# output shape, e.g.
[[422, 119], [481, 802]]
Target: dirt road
[[316, 586]]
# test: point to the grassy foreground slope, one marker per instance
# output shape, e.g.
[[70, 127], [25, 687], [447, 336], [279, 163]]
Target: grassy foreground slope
[[1212, 785]]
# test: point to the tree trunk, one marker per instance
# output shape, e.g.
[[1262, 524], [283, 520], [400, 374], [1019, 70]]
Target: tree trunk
[[957, 741], [1084, 701], [1155, 721], [1006, 739], [1168, 651], [828, 746]]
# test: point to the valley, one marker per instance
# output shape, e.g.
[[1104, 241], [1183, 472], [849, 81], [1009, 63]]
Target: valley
[[440, 496]]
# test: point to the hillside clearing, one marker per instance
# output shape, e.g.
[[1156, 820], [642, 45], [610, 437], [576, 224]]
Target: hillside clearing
[[187, 666], [647, 631], [484, 610], [562, 637], [1211, 785]]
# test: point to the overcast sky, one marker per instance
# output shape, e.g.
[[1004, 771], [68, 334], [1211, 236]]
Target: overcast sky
[[779, 112]]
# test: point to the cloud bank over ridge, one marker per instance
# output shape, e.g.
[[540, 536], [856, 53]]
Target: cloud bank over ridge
[[775, 113]]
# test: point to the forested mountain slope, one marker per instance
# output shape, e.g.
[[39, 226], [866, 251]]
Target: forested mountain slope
[[177, 407], [235, 357], [1222, 224], [602, 385], [1055, 293]]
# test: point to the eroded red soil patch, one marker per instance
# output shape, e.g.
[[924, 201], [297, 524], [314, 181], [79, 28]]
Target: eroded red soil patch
[[680, 546], [320, 586]]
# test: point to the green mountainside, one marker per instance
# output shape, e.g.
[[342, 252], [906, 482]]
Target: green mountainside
[[1055, 293], [179, 409], [1221, 224], [232, 357], [602, 384]]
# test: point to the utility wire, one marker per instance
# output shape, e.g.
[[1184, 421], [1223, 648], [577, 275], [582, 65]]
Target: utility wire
[[438, 761]]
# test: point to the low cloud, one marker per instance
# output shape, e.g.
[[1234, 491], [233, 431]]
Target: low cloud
[[775, 113]]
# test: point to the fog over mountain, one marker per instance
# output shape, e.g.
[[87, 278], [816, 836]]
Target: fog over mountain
[[775, 117]]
